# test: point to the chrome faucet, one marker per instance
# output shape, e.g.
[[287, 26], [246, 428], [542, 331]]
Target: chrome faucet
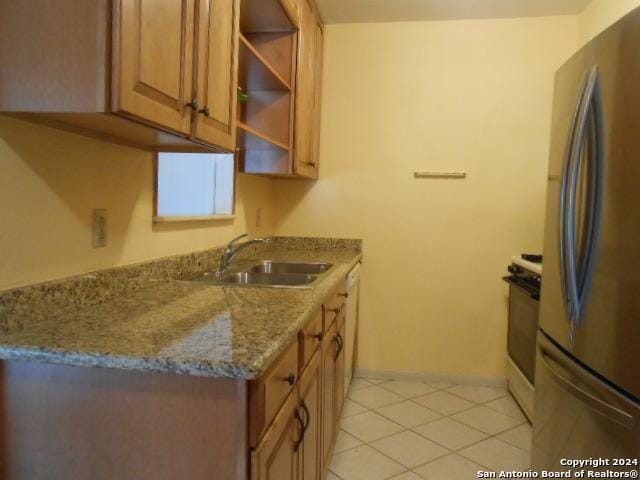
[[230, 251]]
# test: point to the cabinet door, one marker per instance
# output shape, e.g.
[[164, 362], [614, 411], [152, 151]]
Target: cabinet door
[[329, 349], [304, 161], [311, 404], [340, 364], [217, 51], [275, 457], [152, 71], [317, 110]]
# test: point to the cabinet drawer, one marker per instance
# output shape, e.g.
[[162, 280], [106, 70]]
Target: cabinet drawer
[[268, 393], [310, 339], [333, 304]]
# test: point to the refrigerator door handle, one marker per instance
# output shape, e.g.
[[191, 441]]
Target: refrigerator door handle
[[602, 407], [574, 289], [567, 269], [596, 171]]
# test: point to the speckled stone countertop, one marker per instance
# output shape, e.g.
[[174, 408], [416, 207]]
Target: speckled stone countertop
[[146, 317]]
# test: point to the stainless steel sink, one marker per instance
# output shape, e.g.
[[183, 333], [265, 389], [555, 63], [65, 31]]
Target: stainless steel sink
[[267, 273], [253, 279], [290, 268], [267, 279]]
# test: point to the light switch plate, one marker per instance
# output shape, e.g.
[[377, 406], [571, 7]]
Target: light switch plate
[[99, 228]]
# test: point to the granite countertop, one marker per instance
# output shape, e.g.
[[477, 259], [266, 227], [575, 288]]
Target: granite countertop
[[166, 324]]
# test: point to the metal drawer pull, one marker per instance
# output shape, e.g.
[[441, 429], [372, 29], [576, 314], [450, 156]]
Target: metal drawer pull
[[296, 446], [291, 379], [338, 339], [334, 310], [194, 104], [345, 294], [318, 336], [304, 426], [615, 414]]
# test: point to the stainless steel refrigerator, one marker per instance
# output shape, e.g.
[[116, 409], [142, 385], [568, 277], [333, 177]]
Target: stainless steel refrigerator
[[587, 401]]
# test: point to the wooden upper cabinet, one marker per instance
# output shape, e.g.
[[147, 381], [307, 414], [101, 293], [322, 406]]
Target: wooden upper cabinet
[[124, 70], [217, 27], [280, 70], [152, 73], [305, 162], [317, 110]]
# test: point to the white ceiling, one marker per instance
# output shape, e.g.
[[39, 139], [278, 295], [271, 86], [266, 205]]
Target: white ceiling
[[343, 11]]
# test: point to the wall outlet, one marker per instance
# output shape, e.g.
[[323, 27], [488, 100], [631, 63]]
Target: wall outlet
[[258, 217], [99, 228]]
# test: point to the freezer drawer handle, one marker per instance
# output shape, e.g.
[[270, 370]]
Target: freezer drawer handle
[[600, 406]]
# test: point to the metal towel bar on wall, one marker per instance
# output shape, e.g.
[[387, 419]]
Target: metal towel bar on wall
[[451, 175]]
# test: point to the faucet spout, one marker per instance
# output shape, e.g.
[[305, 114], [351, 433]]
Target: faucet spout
[[231, 250]]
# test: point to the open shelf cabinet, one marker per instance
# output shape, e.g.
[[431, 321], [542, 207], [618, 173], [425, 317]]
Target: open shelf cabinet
[[279, 81], [267, 72]]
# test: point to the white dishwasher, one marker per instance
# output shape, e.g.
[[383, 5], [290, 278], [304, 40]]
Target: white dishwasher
[[351, 305]]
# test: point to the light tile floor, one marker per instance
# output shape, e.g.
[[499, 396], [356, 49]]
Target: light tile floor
[[400, 430]]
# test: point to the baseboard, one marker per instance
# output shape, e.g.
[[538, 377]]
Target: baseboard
[[432, 377]]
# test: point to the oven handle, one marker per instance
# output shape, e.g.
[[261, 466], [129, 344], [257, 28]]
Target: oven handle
[[532, 294]]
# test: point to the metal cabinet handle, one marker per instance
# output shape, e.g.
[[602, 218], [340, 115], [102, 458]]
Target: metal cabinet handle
[[319, 336], [334, 310], [345, 294], [303, 430], [307, 415], [291, 379], [600, 406], [205, 111], [338, 339], [311, 164], [194, 104]]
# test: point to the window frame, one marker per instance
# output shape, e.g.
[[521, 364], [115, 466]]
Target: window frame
[[196, 218]]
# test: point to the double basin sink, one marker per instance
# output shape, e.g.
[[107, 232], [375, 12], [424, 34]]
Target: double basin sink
[[269, 274]]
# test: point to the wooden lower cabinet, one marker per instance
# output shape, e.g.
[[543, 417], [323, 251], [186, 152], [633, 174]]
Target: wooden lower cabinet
[[311, 403], [290, 449], [329, 427], [276, 458], [340, 363]]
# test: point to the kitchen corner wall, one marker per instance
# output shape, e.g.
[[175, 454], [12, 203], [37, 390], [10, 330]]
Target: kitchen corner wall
[[468, 96], [600, 14], [51, 180]]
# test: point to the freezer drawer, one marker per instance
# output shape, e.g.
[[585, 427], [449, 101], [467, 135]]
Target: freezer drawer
[[577, 416]]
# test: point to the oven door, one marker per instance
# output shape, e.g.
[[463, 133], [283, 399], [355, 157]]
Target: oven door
[[523, 328]]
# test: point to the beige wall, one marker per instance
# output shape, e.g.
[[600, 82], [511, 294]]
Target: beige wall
[[51, 180], [472, 96], [600, 14]]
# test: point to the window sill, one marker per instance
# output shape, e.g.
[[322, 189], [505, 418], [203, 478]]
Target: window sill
[[206, 218]]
